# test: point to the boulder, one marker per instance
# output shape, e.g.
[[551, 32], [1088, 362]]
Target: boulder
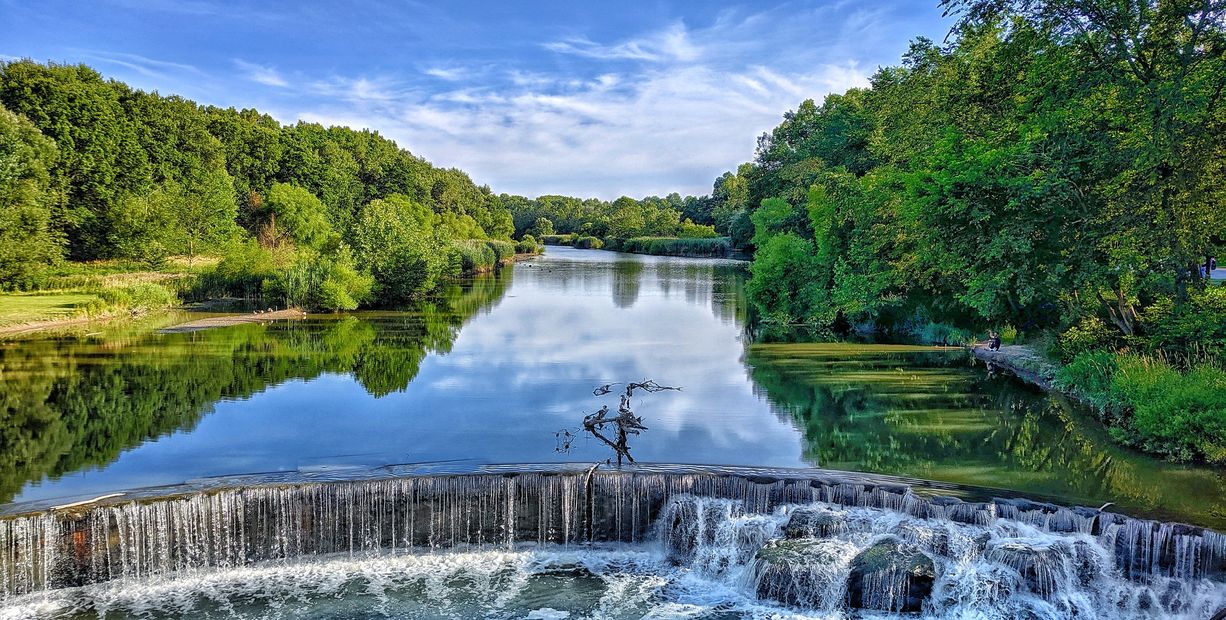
[[890, 576], [1045, 567], [812, 522], [806, 573]]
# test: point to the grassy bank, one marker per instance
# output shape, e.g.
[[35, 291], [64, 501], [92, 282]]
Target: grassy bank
[[1149, 403], [71, 292]]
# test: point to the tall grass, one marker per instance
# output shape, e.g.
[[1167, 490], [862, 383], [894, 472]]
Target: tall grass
[[478, 255], [678, 246], [1149, 403]]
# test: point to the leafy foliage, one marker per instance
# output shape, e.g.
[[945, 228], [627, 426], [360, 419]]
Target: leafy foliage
[[27, 241]]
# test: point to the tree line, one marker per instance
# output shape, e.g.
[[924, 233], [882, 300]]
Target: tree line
[[325, 217], [1053, 166], [1053, 170]]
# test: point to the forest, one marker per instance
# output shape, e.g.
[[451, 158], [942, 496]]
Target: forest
[[319, 217]]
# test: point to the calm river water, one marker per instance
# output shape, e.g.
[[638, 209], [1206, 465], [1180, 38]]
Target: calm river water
[[495, 368]]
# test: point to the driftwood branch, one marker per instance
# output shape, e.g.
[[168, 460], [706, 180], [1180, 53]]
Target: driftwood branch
[[621, 425]]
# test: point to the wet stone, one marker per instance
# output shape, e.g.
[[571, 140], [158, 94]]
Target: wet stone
[[890, 576], [1044, 567], [806, 573], [814, 523], [934, 540]]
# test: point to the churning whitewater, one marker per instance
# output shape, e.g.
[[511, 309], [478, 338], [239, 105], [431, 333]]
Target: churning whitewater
[[703, 558]]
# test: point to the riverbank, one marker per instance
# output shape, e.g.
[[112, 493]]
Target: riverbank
[[90, 293], [1023, 362], [1145, 402], [234, 319]]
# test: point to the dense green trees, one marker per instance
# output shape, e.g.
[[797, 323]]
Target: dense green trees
[[624, 218], [110, 172], [27, 241], [1055, 162]]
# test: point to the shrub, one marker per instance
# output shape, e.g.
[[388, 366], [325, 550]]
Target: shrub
[[1089, 376], [503, 250], [323, 283], [1150, 404], [527, 245], [1087, 335], [557, 239], [1180, 415], [1194, 332], [242, 272], [135, 298]]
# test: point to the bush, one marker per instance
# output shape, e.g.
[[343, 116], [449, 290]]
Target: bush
[[1180, 415], [528, 245], [678, 246], [323, 283], [1194, 332], [1089, 334], [1089, 376], [242, 272], [557, 239], [503, 250], [135, 298]]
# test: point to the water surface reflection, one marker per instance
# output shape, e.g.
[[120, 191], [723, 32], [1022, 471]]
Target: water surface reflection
[[491, 369]]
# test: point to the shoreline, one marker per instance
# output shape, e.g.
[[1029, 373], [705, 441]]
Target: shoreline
[[228, 320], [1023, 362]]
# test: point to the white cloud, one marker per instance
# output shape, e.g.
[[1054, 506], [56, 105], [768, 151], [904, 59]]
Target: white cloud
[[665, 111], [261, 74], [448, 74], [670, 44], [672, 129], [144, 66]]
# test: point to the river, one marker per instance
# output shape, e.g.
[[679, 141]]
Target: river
[[500, 368]]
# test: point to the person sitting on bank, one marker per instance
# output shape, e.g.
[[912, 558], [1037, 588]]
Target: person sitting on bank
[[993, 341]]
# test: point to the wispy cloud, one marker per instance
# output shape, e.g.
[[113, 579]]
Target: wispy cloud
[[261, 74], [148, 67], [665, 111], [661, 99], [449, 74], [671, 44]]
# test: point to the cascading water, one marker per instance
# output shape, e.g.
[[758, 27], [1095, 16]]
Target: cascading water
[[649, 542]]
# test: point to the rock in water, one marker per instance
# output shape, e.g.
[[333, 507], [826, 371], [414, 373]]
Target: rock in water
[[1048, 567], [889, 576], [810, 522], [807, 573]]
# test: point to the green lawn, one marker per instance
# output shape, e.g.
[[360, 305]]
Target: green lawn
[[24, 307]]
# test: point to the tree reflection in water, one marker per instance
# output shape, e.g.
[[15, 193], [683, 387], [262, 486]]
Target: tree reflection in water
[[67, 404]]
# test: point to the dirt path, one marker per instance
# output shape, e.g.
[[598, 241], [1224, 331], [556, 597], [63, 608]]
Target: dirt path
[[233, 319], [21, 329]]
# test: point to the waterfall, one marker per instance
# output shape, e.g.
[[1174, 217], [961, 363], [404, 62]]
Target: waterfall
[[879, 543]]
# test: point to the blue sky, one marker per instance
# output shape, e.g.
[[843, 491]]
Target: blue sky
[[579, 98]]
